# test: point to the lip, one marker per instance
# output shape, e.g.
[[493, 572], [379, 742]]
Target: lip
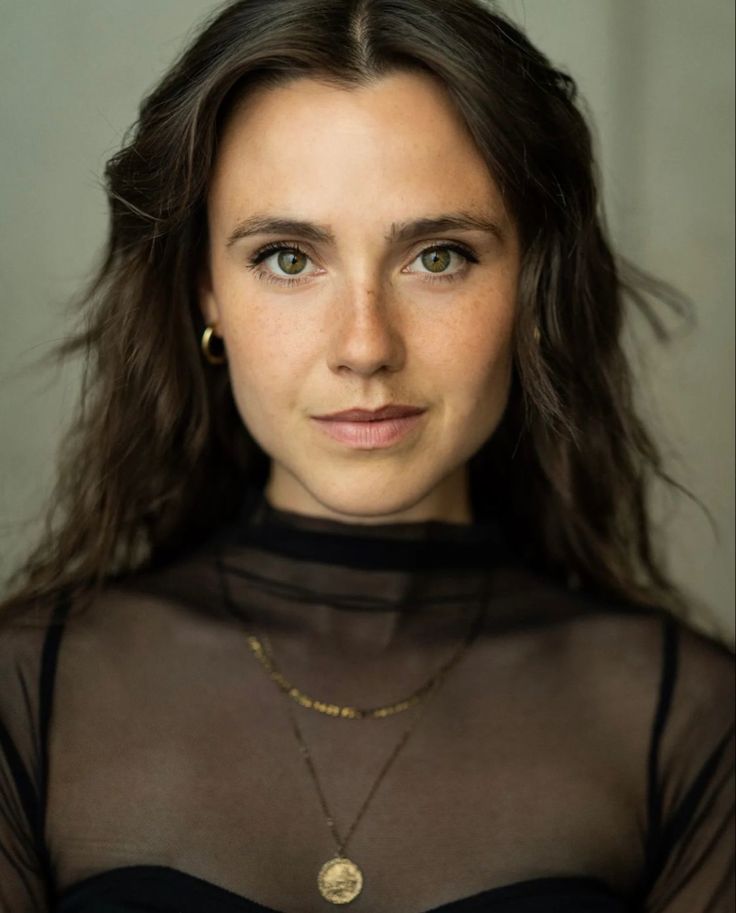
[[372, 415], [370, 434]]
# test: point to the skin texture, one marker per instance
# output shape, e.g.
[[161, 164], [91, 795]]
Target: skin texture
[[370, 320]]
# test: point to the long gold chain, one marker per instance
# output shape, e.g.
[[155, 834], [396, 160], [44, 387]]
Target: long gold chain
[[340, 879], [339, 841]]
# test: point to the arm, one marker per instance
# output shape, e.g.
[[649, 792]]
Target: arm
[[691, 801], [23, 882]]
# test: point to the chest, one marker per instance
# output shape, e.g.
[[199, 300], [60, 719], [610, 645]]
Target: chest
[[493, 785]]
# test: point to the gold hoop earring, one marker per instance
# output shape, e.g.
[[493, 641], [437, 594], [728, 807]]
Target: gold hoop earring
[[212, 357]]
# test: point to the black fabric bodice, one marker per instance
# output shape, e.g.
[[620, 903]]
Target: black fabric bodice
[[578, 757], [162, 889]]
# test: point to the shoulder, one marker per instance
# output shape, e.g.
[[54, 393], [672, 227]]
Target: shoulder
[[24, 664], [24, 638], [657, 681], [651, 650], [623, 664], [601, 633], [135, 622], [652, 645], [125, 617]]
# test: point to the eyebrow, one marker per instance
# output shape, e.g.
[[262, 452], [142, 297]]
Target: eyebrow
[[401, 232]]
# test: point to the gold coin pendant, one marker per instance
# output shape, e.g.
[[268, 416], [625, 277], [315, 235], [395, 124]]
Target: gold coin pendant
[[340, 880]]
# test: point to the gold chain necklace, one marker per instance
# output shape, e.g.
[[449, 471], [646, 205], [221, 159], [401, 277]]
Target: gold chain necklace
[[340, 880], [263, 653]]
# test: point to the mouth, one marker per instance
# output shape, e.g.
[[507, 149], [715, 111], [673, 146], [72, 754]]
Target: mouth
[[357, 414], [369, 432]]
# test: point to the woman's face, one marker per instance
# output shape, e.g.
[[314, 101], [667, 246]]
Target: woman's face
[[361, 256]]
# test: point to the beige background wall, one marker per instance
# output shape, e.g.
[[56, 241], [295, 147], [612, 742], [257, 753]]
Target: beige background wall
[[658, 77]]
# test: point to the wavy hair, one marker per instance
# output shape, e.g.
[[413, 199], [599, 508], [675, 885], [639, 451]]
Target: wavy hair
[[157, 450]]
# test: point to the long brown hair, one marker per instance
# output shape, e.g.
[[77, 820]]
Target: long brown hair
[[157, 450]]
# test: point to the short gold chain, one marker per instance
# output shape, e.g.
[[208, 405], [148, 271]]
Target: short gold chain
[[262, 650]]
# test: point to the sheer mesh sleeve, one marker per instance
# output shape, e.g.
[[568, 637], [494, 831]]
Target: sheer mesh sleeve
[[691, 850], [23, 883]]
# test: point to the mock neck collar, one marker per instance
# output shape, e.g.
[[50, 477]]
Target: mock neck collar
[[411, 546], [398, 566]]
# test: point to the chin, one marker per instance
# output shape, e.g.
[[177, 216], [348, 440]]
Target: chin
[[368, 511], [371, 501]]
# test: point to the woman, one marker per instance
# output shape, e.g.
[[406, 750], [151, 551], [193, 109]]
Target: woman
[[354, 597]]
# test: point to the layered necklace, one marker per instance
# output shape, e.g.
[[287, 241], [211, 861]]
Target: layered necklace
[[340, 879]]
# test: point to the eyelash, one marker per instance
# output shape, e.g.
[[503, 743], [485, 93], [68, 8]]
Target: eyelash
[[277, 246]]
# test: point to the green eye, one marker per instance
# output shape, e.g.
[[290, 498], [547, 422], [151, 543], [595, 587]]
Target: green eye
[[437, 260], [292, 262]]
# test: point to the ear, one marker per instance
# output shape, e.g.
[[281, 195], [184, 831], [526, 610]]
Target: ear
[[206, 295]]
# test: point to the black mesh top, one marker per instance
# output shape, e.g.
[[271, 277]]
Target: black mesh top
[[578, 758]]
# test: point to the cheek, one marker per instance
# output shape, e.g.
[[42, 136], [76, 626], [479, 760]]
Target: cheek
[[472, 357], [262, 340], [477, 386], [257, 352]]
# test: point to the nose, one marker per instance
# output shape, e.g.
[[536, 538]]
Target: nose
[[364, 333]]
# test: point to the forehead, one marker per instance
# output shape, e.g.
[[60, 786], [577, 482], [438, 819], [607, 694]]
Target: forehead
[[308, 142]]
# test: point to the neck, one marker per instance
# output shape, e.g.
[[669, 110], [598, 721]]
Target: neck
[[333, 593]]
